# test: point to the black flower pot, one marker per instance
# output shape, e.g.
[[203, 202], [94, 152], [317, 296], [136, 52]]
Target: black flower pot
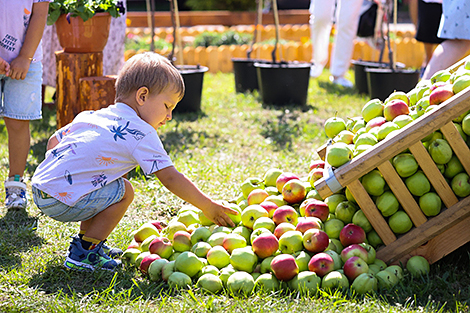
[[193, 77], [360, 75], [244, 70], [383, 81], [283, 83]]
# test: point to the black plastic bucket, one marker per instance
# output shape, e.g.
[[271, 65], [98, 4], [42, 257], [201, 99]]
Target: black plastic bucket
[[193, 77], [382, 82], [283, 83], [246, 78], [360, 75]]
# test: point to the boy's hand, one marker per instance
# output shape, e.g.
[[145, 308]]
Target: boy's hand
[[218, 214], [19, 68], [4, 67]]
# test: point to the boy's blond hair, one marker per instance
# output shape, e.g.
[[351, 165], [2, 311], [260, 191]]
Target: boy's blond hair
[[149, 70]]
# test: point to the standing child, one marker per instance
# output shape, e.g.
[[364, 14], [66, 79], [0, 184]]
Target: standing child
[[81, 176], [21, 26]]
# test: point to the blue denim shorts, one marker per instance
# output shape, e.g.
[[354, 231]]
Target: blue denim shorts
[[86, 208], [21, 99]]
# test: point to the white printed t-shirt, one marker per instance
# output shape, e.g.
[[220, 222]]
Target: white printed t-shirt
[[97, 148], [14, 21]]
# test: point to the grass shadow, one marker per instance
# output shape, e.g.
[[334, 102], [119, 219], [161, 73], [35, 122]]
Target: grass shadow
[[17, 234], [335, 89]]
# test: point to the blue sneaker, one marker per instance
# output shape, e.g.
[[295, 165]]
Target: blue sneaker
[[15, 193], [110, 251], [81, 259]]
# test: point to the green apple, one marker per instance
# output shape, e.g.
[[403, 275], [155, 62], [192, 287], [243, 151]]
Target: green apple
[[182, 241], [461, 83], [460, 130], [172, 228], [244, 231], [258, 232], [386, 280], [400, 222], [144, 246], [218, 257], [244, 259], [372, 109], [364, 283], [233, 241], [188, 217], [251, 184], [200, 234], [210, 283], [335, 280], [276, 199], [360, 219], [130, 255], [188, 263], [302, 258], [338, 154], [360, 123], [201, 248], [251, 213], [453, 167], [461, 185], [466, 124], [155, 269], [267, 282], [265, 266], [405, 164], [240, 283], [140, 257], [271, 176], [333, 227], [430, 203], [236, 218], [179, 280], [412, 96], [366, 139], [395, 270], [371, 253], [333, 201], [374, 269], [271, 190], [422, 105], [333, 126], [335, 245], [345, 211], [264, 222], [402, 120], [221, 229], [210, 269], [418, 184], [338, 263], [359, 133], [306, 283], [374, 239], [145, 231], [374, 183], [204, 220], [387, 203], [345, 136], [291, 242], [167, 270], [440, 151], [216, 239], [417, 266], [225, 273], [385, 129], [440, 76]]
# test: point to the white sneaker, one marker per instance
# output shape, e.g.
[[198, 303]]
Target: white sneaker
[[15, 193], [315, 71], [341, 81]]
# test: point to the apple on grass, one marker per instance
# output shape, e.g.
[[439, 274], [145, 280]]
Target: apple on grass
[[144, 246], [200, 234], [306, 223], [417, 266], [364, 283], [264, 222], [321, 263], [355, 266], [144, 231], [179, 280], [285, 213], [146, 261], [201, 248], [244, 259], [284, 267], [210, 283], [155, 269], [302, 258], [161, 246], [130, 255], [265, 245], [351, 234], [386, 279], [225, 273], [271, 176], [257, 196], [188, 263], [315, 240], [240, 283], [335, 280], [354, 250], [218, 256], [396, 270], [291, 242], [182, 241], [283, 228], [209, 269], [307, 283], [293, 191], [267, 282], [167, 270]]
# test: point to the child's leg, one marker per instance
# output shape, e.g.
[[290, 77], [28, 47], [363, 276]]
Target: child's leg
[[101, 225], [18, 145]]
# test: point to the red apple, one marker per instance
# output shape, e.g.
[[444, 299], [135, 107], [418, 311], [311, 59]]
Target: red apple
[[294, 191], [354, 250], [351, 233], [354, 267], [315, 174], [284, 267], [309, 222], [269, 206], [284, 178], [283, 228], [315, 240], [441, 94], [375, 122], [318, 209], [395, 108], [316, 164], [321, 263], [161, 246], [146, 261], [265, 245], [182, 241], [257, 196], [285, 213], [134, 244], [159, 224]]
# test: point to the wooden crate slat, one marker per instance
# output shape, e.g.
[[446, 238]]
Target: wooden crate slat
[[457, 144], [402, 193], [420, 235], [371, 212], [434, 175], [409, 135]]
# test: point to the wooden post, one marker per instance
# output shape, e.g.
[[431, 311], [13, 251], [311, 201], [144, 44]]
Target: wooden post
[[70, 68], [96, 92]]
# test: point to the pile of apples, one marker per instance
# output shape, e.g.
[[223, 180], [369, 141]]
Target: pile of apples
[[382, 120], [285, 238]]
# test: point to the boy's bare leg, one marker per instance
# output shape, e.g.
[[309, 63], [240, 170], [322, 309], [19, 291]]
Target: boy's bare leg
[[101, 225], [18, 145], [446, 54]]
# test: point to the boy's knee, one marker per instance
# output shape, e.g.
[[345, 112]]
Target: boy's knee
[[129, 193]]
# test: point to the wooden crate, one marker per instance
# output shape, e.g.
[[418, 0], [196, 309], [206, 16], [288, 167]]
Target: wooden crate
[[433, 237]]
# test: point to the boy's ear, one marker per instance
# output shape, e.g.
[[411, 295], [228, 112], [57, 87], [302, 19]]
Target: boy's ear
[[142, 95]]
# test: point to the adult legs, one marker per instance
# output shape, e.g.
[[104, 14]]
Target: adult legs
[[446, 54]]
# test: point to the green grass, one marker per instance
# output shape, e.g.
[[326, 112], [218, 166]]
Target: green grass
[[233, 138]]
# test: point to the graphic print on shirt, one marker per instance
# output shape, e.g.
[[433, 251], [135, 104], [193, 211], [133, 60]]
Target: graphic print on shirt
[[120, 132], [63, 196], [105, 160], [59, 153], [68, 177], [99, 179], [155, 162]]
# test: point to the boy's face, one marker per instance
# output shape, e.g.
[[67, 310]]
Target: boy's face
[[156, 109]]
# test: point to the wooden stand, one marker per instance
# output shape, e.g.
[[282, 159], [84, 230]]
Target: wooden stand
[[433, 237], [80, 85]]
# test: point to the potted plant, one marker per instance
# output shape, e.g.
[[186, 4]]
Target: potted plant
[[83, 25], [282, 83]]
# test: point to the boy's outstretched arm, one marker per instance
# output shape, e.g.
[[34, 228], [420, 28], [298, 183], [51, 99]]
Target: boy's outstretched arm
[[181, 186]]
